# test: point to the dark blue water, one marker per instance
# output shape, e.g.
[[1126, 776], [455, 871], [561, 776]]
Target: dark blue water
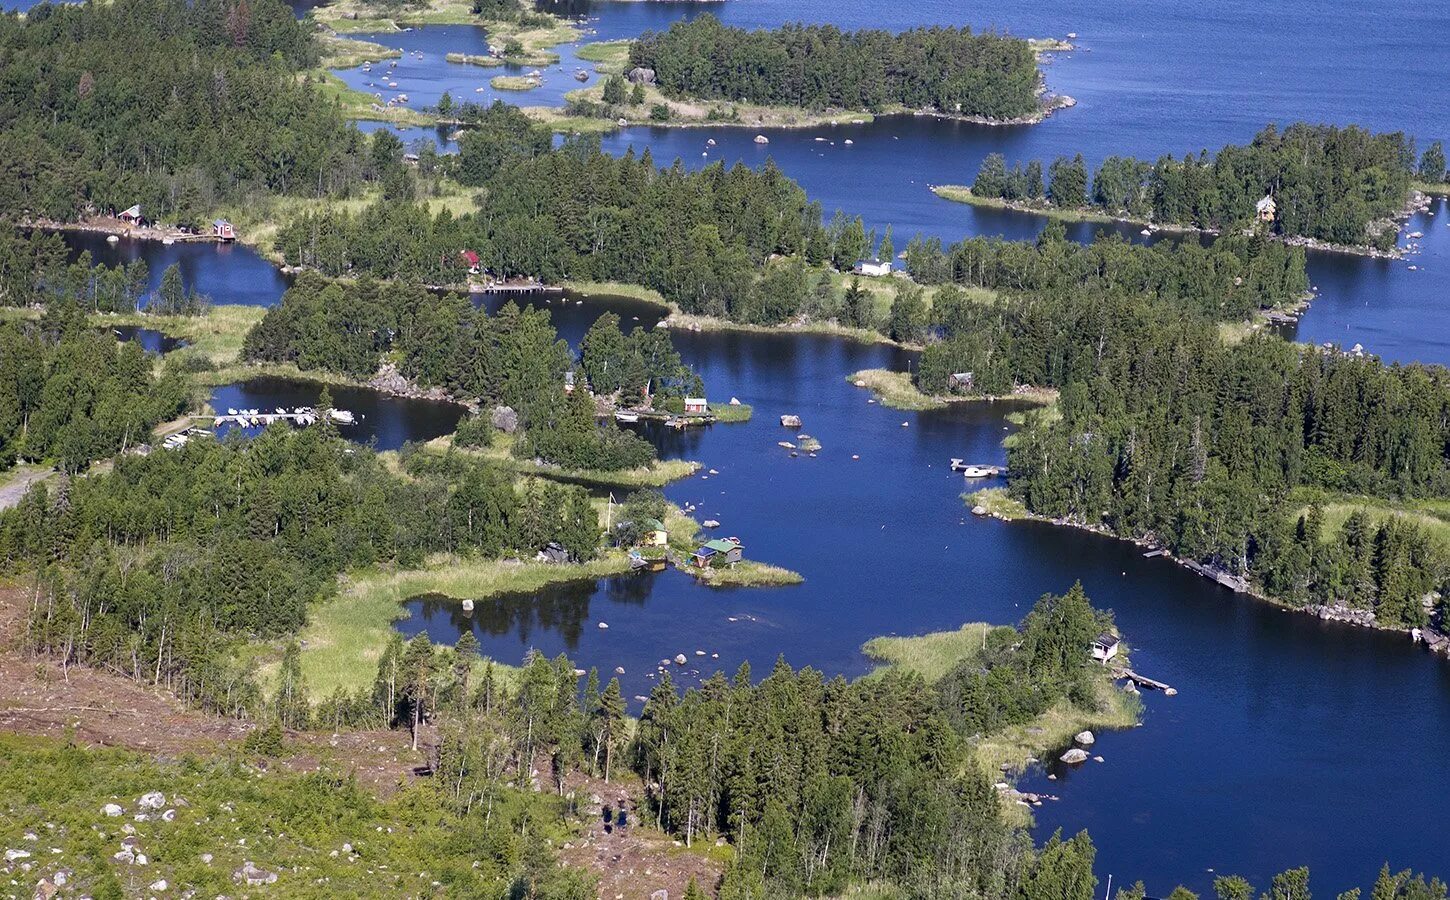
[[151, 340], [1291, 741], [423, 73], [1239, 772], [227, 273], [572, 312], [384, 421]]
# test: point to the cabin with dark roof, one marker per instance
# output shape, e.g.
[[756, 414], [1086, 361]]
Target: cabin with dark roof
[[1105, 647]]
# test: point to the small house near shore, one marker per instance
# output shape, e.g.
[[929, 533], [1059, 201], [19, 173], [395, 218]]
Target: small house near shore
[[131, 215], [470, 259], [652, 533], [873, 267], [960, 381], [222, 230], [1266, 209], [721, 551], [1105, 647], [696, 406]]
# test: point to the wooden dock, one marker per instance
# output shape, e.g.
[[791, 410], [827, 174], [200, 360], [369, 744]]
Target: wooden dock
[[1145, 682]]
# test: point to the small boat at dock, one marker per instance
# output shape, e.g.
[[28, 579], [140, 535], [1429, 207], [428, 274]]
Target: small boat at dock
[[627, 417]]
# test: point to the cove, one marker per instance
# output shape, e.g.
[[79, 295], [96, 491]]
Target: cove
[[383, 420], [1229, 775], [227, 273]]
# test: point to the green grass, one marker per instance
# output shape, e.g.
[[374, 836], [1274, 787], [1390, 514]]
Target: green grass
[[216, 335], [1433, 516], [474, 59], [346, 635], [1426, 187], [619, 289], [958, 193], [997, 502], [657, 474], [933, 655], [355, 104], [747, 573], [894, 389], [936, 654], [730, 414], [610, 56], [347, 53], [513, 83], [290, 824]]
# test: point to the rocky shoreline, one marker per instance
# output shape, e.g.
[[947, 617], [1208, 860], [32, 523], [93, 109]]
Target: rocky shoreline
[[1433, 636]]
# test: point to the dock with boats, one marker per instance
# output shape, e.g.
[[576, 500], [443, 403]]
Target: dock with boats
[[300, 416]]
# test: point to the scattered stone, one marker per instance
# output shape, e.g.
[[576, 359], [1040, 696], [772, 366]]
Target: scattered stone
[[206, 858], [45, 889], [979, 510], [159, 885], [1051, 777], [252, 876], [169, 816], [619, 670], [1097, 759], [679, 659], [124, 856], [1085, 738], [152, 800], [603, 625], [13, 855], [112, 810], [1074, 756]]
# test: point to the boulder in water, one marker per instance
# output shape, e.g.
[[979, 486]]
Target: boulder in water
[[1074, 756], [1085, 738]]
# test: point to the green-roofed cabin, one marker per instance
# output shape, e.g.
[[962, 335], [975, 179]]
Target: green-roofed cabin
[[652, 533], [718, 552]]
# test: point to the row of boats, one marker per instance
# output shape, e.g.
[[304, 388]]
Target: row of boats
[[302, 415]]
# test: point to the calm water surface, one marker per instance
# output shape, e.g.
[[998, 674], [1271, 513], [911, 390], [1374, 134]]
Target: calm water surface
[[1291, 741], [384, 421]]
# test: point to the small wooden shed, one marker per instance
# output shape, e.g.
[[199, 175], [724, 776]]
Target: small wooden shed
[[1105, 647]]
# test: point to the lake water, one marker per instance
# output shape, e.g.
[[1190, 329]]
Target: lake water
[[1291, 741], [151, 340], [227, 273], [385, 421]]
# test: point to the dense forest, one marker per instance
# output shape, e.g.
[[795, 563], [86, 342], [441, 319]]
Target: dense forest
[[167, 103], [158, 569], [949, 70], [514, 358], [73, 395], [1167, 432], [1330, 183], [1227, 280]]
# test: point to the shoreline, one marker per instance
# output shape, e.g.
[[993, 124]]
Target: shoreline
[[1435, 641], [957, 193]]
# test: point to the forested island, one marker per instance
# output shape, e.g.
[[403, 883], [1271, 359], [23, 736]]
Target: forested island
[[1340, 186], [208, 581], [950, 71]]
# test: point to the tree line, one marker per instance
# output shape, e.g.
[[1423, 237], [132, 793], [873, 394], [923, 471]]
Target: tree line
[[72, 395], [1166, 432], [950, 70], [1334, 184], [172, 104], [161, 568]]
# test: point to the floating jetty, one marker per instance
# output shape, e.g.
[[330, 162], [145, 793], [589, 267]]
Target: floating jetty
[[300, 416]]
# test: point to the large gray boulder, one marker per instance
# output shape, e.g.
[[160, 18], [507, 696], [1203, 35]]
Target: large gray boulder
[[505, 419], [1074, 756], [1085, 738], [641, 75]]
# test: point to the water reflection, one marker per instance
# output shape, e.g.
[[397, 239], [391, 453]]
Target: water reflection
[[383, 420]]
